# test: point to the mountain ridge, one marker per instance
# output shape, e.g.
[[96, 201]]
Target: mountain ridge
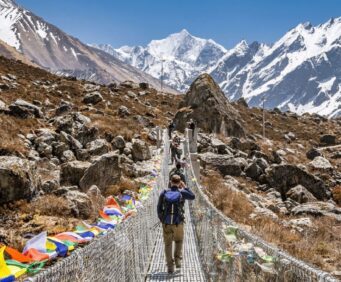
[[255, 70]]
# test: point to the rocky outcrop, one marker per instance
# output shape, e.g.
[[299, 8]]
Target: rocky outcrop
[[284, 177], [103, 172], [208, 106], [140, 151], [225, 164], [17, 179]]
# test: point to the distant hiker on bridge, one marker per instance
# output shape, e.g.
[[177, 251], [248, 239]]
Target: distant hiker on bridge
[[171, 212], [171, 127], [192, 126], [177, 170], [175, 150]]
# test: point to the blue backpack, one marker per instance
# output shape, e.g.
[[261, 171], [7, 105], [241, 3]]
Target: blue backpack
[[172, 207]]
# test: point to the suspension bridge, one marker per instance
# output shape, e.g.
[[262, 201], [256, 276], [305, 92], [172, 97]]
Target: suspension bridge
[[134, 250]]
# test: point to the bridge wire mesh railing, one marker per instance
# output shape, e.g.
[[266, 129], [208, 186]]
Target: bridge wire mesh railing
[[122, 254], [209, 224]]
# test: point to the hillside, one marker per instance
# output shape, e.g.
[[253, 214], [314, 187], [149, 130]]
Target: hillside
[[51, 48]]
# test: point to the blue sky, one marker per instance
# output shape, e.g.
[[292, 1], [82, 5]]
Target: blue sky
[[136, 22]]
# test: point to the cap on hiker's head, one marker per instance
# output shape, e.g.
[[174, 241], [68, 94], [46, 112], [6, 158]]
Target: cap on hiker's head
[[176, 179], [178, 165]]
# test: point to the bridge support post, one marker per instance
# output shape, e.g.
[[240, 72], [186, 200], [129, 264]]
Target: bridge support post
[[192, 138], [158, 137]]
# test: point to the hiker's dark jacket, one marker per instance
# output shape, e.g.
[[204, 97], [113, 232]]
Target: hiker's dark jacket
[[179, 172], [177, 219]]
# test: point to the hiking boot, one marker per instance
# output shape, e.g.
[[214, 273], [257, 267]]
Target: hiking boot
[[178, 263], [170, 270]]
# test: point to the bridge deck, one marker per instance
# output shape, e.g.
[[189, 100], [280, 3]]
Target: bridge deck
[[191, 267]]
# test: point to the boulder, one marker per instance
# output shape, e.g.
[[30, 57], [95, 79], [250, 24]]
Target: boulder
[[98, 147], [318, 209], [18, 179], [103, 172], [63, 107], [300, 194], [144, 85], [123, 111], [93, 98], [225, 164], [253, 171], [71, 123], [284, 177], [244, 145], [321, 163], [86, 134], [23, 109], [79, 203], [118, 142], [328, 139], [131, 94], [140, 151], [72, 172], [67, 156], [313, 153], [206, 103]]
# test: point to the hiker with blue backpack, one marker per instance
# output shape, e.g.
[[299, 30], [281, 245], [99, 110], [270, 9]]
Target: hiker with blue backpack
[[171, 213]]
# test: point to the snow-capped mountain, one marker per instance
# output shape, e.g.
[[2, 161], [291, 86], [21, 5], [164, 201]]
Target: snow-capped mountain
[[53, 49], [300, 72], [181, 55]]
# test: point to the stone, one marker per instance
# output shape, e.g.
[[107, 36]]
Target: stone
[[131, 94], [318, 209], [313, 153], [96, 198], [79, 203], [303, 222], [244, 145], [140, 151], [225, 164], [58, 148], [284, 177], [300, 194], [3, 106], [70, 123], [23, 109], [63, 107], [44, 150], [103, 172], [290, 136], [328, 139], [17, 179], [93, 98], [206, 103], [253, 171], [144, 85], [72, 172], [119, 143], [67, 156], [123, 111], [87, 134], [321, 163], [263, 212], [98, 147]]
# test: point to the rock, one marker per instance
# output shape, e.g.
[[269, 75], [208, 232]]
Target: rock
[[123, 111], [290, 136], [87, 134], [225, 164], [221, 147], [58, 148], [17, 179], [277, 157], [118, 143], [284, 177], [328, 139], [206, 103], [244, 145], [44, 150], [253, 171], [23, 109], [71, 123], [103, 172], [79, 203], [140, 151], [96, 198], [98, 147], [48, 173], [67, 156], [68, 139], [318, 209], [144, 85], [300, 194], [129, 84], [3, 106], [93, 98], [263, 212], [301, 223], [72, 172], [320, 163], [313, 153], [131, 94], [336, 155]]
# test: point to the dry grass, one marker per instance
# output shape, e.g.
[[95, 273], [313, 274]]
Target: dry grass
[[337, 194], [49, 205], [320, 245], [119, 188], [233, 203]]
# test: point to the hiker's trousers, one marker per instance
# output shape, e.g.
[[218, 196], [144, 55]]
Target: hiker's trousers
[[172, 232]]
